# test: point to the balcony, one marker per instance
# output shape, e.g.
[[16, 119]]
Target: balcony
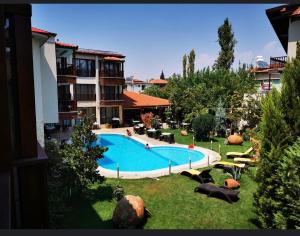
[[67, 106], [86, 97], [111, 81], [111, 97], [111, 74], [278, 62], [66, 73]]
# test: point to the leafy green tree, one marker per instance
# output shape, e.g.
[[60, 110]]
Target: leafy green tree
[[227, 43], [184, 61], [288, 214], [220, 119], [202, 126], [275, 138], [291, 96], [59, 176], [298, 50], [252, 111], [191, 64], [156, 91], [81, 155], [236, 111], [162, 76]]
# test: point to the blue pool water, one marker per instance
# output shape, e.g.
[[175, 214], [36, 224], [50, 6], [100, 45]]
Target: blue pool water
[[132, 155]]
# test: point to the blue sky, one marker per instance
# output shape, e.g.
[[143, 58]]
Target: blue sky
[[154, 37]]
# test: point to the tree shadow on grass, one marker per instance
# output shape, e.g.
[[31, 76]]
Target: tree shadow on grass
[[83, 214], [102, 193]]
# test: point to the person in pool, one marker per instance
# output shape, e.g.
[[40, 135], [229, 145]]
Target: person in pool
[[147, 146]]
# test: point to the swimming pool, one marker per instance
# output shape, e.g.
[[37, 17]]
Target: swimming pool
[[131, 155]]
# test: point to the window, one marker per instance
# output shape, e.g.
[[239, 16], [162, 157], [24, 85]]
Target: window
[[107, 113], [64, 92], [88, 111], [111, 69], [85, 92], [85, 68], [111, 93]]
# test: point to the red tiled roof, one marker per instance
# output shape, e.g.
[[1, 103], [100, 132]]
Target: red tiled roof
[[296, 12], [66, 45], [137, 100], [158, 81], [40, 31], [137, 81], [113, 59], [98, 52]]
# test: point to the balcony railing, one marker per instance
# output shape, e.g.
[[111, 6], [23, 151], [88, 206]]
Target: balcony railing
[[278, 62], [119, 74], [67, 106], [111, 97], [67, 69], [86, 97]]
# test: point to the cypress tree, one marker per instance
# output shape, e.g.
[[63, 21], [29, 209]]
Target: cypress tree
[[298, 50], [274, 139], [227, 42], [291, 96], [191, 65], [162, 76], [288, 215], [184, 60]]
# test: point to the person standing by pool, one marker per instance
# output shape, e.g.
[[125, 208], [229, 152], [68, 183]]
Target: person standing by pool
[[128, 132]]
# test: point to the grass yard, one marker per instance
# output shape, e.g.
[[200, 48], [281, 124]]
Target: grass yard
[[171, 200]]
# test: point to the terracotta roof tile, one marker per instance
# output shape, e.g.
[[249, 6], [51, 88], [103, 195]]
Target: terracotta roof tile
[[66, 45], [158, 81], [98, 52], [40, 31], [113, 59], [137, 100], [296, 12]]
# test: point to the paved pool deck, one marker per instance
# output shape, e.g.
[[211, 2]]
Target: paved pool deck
[[209, 157]]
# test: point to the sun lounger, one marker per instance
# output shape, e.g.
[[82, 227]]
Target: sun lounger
[[219, 192], [200, 176], [248, 161], [221, 164], [240, 154]]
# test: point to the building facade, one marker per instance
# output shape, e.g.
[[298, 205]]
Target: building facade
[[45, 80], [93, 84], [285, 20], [135, 85]]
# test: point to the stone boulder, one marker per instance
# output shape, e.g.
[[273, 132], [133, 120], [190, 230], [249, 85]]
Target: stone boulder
[[129, 212], [235, 139]]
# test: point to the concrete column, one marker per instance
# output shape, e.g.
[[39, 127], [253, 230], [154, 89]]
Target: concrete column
[[72, 91], [121, 114], [97, 91]]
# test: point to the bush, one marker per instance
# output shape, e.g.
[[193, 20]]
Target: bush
[[202, 126]]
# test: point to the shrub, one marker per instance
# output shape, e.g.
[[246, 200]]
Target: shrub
[[147, 119], [288, 215], [118, 193], [202, 126]]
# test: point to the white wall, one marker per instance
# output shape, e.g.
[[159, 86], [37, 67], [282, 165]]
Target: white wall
[[49, 82], [294, 36], [39, 114], [45, 84]]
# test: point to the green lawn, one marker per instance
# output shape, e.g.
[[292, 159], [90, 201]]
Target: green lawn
[[171, 200]]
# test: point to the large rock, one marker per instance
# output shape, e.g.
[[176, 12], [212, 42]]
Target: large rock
[[184, 133], [129, 212], [235, 139]]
